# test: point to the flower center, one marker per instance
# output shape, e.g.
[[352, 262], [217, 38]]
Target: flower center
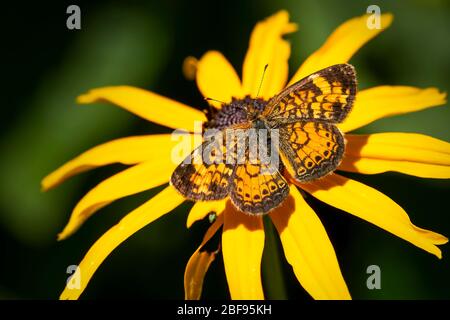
[[236, 112]]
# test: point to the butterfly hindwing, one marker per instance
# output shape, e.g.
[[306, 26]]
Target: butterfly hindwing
[[257, 187], [310, 150], [326, 95]]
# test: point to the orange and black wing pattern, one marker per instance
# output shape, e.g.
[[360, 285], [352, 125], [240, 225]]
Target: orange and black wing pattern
[[311, 145], [310, 150], [326, 95], [212, 172], [205, 174], [257, 187]]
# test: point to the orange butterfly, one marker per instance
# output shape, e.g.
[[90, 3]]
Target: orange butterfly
[[309, 144]]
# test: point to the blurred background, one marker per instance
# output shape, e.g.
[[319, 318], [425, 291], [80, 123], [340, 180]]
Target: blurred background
[[143, 43]]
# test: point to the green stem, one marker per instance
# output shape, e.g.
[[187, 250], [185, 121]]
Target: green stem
[[274, 284]]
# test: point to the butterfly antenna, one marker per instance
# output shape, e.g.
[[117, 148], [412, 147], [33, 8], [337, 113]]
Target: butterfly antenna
[[262, 79], [211, 99], [212, 110]]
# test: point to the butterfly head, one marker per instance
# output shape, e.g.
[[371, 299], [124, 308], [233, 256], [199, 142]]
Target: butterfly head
[[238, 111]]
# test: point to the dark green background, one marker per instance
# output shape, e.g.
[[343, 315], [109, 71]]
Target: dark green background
[[45, 66]]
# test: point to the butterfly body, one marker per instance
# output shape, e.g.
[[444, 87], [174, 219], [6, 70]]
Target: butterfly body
[[299, 129]]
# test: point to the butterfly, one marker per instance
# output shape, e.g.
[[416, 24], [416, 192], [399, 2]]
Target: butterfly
[[309, 144]]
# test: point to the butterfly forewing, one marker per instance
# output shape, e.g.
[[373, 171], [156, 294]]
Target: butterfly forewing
[[326, 95], [205, 174]]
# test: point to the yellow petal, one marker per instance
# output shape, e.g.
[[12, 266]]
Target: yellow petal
[[162, 203], [385, 101], [414, 154], [136, 179], [341, 45], [242, 248], [374, 207], [217, 79], [148, 105], [267, 46], [130, 150], [375, 166], [201, 209], [308, 249], [198, 265]]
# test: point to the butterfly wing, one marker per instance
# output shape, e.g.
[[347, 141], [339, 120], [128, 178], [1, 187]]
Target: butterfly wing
[[310, 150], [305, 113], [205, 174], [257, 187], [326, 95]]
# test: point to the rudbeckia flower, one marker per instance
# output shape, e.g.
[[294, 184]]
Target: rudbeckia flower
[[305, 242]]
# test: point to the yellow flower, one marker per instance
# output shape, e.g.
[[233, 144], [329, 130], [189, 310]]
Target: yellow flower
[[305, 242]]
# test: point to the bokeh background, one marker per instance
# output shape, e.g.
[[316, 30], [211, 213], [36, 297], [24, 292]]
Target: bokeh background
[[143, 43]]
